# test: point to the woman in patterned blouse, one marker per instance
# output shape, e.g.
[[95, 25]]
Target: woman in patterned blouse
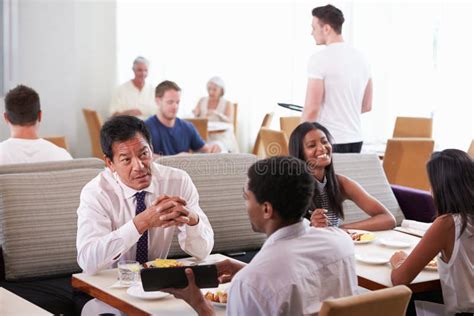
[[312, 143]]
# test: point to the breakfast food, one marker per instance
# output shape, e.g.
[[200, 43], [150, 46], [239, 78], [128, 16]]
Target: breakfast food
[[166, 263], [218, 297], [362, 236]]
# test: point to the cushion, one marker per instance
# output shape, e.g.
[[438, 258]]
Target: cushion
[[366, 169], [417, 205], [219, 179], [38, 221], [81, 163]]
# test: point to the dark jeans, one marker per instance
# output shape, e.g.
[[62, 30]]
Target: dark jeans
[[347, 148]]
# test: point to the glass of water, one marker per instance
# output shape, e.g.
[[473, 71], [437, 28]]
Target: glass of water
[[128, 272]]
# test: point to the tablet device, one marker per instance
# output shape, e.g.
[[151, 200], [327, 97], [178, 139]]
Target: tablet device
[[155, 279], [293, 107]]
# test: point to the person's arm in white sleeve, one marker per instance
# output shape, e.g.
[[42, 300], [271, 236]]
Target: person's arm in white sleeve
[[367, 100], [246, 300], [98, 246], [197, 240], [314, 89], [314, 99], [115, 103]]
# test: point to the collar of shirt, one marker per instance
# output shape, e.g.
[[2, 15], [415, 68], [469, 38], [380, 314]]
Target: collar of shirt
[[321, 185], [128, 192], [288, 232]]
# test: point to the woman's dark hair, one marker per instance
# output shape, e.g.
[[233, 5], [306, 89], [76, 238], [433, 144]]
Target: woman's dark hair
[[451, 174], [296, 149], [285, 183], [119, 129]]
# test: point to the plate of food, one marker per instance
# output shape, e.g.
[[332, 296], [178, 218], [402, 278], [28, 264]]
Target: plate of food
[[138, 292], [166, 263], [393, 243], [372, 258], [361, 236], [432, 265], [217, 297]]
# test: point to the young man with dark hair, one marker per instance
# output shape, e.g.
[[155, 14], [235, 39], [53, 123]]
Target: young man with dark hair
[[131, 210], [170, 135], [23, 116], [298, 266], [339, 86]]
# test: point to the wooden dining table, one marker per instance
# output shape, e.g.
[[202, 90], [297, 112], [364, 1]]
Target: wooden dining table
[[377, 276], [370, 276], [12, 304], [101, 286]]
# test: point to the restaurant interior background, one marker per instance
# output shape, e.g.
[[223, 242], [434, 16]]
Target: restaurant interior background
[[75, 52]]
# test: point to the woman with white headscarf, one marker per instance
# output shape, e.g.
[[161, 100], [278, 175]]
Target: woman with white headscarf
[[217, 109]]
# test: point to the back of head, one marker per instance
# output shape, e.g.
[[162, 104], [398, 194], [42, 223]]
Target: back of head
[[285, 183], [164, 86], [451, 174], [119, 129], [331, 15], [22, 106]]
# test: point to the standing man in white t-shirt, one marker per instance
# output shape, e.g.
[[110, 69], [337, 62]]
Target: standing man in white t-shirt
[[339, 83], [135, 97], [23, 116]]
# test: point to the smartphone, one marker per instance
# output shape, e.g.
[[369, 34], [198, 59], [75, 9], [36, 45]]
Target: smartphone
[[155, 279]]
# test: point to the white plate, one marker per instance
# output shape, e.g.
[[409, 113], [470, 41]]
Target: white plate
[[392, 243], [213, 291], [137, 291], [359, 231], [372, 258]]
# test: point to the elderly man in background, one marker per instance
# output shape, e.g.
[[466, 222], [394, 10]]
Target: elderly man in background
[[135, 97], [23, 116]]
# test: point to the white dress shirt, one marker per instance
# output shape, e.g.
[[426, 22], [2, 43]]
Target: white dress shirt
[[106, 232], [297, 269]]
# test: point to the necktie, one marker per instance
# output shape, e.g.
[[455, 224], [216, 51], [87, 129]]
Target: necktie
[[142, 244]]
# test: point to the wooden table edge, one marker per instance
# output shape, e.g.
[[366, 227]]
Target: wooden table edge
[[427, 286], [105, 297]]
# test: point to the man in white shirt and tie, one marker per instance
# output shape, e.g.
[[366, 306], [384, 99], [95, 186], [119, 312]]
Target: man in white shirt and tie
[[131, 210], [298, 266]]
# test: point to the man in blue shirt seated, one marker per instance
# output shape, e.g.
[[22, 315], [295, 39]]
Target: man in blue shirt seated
[[169, 134]]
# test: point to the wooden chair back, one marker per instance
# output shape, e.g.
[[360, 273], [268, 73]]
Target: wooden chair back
[[257, 147], [201, 126], [94, 124], [288, 124], [405, 161], [392, 301], [275, 143], [470, 151], [234, 117], [59, 141], [413, 127]]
